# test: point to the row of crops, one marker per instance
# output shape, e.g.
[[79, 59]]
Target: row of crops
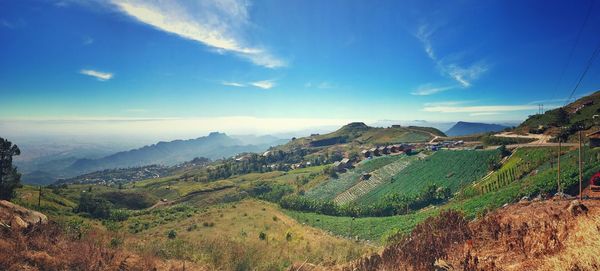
[[329, 189], [377, 178], [522, 162], [452, 169]]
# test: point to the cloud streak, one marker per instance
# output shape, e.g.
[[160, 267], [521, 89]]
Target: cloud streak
[[428, 89], [265, 84], [459, 73], [216, 24], [479, 109], [101, 76]]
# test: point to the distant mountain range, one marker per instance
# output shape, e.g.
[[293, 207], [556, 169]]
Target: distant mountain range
[[462, 128], [214, 146]]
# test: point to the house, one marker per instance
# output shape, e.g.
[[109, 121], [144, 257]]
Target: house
[[383, 150], [342, 165], [394, 148], [594, 139], [375, 151], [366, 153]]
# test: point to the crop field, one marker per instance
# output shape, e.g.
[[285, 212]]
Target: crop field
[[451, 169], [378, 177], [521, 162], [329, 189]]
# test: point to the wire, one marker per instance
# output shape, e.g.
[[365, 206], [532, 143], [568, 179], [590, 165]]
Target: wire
[[575, 45]]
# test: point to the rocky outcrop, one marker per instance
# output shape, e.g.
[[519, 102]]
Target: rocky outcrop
[[17, 217]]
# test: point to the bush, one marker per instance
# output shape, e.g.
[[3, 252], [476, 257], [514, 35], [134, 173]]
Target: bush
[[172, 234], [96, 207], [262, 235]]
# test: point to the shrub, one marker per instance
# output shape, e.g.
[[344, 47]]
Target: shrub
[[172, 234], [262, 235]]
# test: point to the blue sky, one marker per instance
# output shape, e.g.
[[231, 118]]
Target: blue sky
[[278, 65]]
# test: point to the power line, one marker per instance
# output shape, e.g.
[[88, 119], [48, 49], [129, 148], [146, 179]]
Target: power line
[[587, 68], [563, 71]]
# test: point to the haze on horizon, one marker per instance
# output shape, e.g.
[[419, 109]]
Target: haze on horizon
[[181, 69]]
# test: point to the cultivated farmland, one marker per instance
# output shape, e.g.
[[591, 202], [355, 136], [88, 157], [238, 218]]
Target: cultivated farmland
[[451, 169], [330, 189]]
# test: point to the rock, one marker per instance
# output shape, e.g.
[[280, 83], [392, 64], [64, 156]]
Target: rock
[[524, 200], [538, 198], [561, 195], [441, 265], [19, 217], [576, 208], [17, 223]]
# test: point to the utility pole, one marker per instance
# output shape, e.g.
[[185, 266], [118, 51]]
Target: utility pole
[[580, 170], [558, 164], [40, 198]]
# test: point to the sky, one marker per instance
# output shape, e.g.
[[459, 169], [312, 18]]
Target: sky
[[184, 68]]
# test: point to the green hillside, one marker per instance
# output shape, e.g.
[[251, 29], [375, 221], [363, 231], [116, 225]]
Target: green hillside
[[572, 117], [329, 189], [450, 169], [358, 133]]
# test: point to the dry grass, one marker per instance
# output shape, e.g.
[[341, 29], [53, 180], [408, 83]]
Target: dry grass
[[227, 237], [533, 236], [48, 247], [582, 247]]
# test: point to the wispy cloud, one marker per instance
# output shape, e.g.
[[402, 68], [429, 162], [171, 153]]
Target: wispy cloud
[[87, 40], [429, 89], [485, 114], [233, 84], [101, 76], [264, 84], [217, 24], [321, 85], [464, 75], [449, 103], [479, 109]]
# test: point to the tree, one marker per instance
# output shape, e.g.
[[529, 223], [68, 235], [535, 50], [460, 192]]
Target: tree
[[10, 179]]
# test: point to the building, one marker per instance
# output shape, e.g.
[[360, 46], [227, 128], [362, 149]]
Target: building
[[366, 153], [383, 150], [375, 151], [594, 139]]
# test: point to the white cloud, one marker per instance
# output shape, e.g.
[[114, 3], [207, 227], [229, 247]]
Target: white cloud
[[463, 75], [479, 109], [264, 84], [102, 76], [215, 23], [428, 89], [485, 114], [320, 85], [233, 84], [87, 40]]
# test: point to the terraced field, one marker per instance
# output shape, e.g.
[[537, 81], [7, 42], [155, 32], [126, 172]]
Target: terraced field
[[329, 189], [377, 178], [452, 169]]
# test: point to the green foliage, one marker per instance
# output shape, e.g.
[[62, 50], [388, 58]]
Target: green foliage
[[450, 169], [390, 204], [129, 199], [491, 140], [172, 234], [330, 189], [93, 205], [262, 235], [10, 179]]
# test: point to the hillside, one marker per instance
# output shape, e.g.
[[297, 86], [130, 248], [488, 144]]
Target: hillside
[[578, 115], [462, 128], [214, 146], [359, 134]]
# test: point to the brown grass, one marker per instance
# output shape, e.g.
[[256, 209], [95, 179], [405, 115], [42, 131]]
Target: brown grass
[[535, 236], [47, 247]]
